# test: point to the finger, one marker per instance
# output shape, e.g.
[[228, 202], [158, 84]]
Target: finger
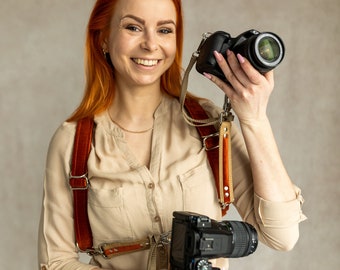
[[227, 71], [235, 65], [252, 75], [270, 77], [225, 87]]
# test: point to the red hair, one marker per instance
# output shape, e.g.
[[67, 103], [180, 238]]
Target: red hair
[[100, 81]]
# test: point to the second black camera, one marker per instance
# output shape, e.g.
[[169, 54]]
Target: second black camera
[[197, 238]]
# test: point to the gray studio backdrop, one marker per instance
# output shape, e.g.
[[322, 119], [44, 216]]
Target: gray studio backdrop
[[41, 82]]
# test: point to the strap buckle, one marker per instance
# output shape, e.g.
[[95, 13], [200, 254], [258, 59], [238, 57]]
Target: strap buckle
[[210, 146], [79, 182], [91, 251]]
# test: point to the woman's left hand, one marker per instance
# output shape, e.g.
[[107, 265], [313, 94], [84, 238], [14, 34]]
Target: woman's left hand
[[248, 91]]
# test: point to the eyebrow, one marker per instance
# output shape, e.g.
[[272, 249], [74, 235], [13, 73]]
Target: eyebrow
[[140, 20]]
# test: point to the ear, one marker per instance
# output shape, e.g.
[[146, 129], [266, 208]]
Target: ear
[[105, 47]]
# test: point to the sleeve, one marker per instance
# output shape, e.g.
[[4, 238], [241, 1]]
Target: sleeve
[[277, 223], [56, 244]]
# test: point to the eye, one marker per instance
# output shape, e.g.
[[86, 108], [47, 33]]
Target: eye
[[166, 31], [133, 28]]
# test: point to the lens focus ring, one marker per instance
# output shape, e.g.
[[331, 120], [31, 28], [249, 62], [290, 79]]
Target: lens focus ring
[[269, 49]]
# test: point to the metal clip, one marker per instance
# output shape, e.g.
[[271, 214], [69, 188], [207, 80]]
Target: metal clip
[[204, 38], [206, 35], [165, 238], [84, 176], [91, 251], [226, 114], [224, 205], [100, 250], [205, 138]]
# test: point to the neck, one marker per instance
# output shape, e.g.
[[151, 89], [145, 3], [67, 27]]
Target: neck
[[134, 109]]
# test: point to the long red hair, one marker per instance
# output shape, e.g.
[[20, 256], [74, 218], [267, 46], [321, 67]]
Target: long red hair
[[100, 81]]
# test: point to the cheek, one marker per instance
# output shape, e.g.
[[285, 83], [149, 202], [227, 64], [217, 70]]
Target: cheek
[[118, 52], [171, 50], [117, 48], [118, 45]]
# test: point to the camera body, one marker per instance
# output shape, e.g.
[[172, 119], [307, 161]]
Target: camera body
[[263, 50], [197, 238]]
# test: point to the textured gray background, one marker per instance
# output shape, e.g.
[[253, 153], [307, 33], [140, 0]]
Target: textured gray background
[[41, 82]]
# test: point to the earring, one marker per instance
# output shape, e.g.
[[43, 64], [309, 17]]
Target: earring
[[107, 58]]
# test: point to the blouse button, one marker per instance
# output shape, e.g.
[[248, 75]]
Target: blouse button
[[151, 185]]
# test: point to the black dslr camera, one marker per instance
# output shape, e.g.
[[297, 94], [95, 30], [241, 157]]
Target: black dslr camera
[[197, 238], [263, 50]]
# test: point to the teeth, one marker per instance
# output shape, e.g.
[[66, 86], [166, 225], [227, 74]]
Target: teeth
[[145, 62]]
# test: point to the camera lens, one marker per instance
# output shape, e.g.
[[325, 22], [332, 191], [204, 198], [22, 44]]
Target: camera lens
[[245, 238], [269, 49]]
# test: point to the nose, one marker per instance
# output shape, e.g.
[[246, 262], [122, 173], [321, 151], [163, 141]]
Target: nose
[[149, 42]]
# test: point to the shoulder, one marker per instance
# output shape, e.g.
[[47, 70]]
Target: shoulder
[[61, 142], [210, 107], [64, 133]]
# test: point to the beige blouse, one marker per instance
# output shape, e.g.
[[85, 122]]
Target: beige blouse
[[128, 201]]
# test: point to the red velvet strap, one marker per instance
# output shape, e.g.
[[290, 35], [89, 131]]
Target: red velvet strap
[[79, 183]]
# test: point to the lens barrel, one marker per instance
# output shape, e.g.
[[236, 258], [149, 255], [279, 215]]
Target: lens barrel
[[269, 50], [197, 238], [244, 238], [263, 50]]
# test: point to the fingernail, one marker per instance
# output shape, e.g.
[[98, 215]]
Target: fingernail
[[240, 58], [207, 75], [218, 55], [228, 52]]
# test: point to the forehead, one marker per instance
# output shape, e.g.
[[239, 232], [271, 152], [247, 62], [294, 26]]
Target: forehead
[[149, 10]]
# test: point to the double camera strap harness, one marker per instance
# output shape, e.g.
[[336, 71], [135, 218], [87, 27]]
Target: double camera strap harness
[[219, 153], [216, 142]]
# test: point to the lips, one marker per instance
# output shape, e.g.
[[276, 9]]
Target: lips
[[145, 62]]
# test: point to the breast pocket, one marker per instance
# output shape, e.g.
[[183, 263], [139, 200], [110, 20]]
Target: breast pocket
[[108, 216], [199, 191]]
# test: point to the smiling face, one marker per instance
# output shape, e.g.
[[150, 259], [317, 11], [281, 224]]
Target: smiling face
[[142, 41]]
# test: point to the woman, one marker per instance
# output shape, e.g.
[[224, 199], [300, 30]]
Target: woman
[[146, 161]]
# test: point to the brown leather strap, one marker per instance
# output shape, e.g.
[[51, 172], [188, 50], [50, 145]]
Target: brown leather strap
[[117, 248], [226, 190], [209, 134], [158, 254], [220, 165], [79, 183]]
